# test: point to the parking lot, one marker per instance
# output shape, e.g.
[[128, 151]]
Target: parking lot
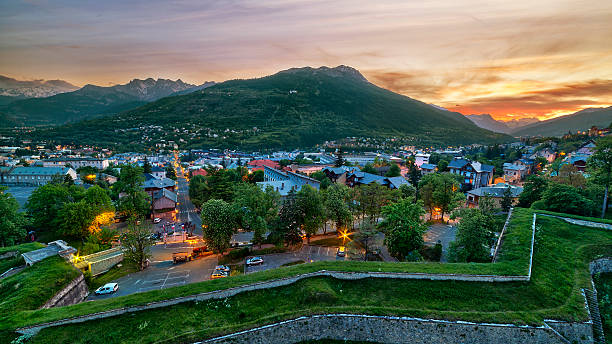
[[308, 253]]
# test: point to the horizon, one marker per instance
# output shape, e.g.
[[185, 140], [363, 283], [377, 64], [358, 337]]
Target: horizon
[[511, 61]]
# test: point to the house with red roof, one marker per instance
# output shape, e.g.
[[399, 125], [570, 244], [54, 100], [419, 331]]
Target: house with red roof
[[257, 165]]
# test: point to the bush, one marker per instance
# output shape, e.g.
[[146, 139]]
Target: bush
[[432, 253]]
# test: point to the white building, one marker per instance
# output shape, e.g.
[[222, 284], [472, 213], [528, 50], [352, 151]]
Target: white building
[[77, 162], [36, 176], [421, 158]]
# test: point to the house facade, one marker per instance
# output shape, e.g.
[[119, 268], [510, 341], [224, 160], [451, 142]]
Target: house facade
[[474, 174], [36, 176], [514, 173], [285, 181], [495, 192], [77, 162]]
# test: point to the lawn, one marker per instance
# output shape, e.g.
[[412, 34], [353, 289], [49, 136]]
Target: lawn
[[578, 217], [562, 253]]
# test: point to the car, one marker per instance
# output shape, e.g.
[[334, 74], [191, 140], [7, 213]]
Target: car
[[341, 251], [156, 220], [254, 261], [224, 268], [108, 288], [219, 274]]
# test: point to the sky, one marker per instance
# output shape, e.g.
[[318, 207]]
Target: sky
[[511, 59]]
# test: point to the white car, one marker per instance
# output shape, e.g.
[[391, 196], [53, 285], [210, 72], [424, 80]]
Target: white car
[[156, 220], [108, 288], [254, 261], [223, 268]]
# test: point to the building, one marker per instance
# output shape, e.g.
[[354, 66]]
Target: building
[[579, 161], [77, 162], [495, 192], [364, 178], [474, 174], [428, 168], [163, 200], [36, 176], [255, 165], [339, 174], [587, 149], [421, 158], [158, 172], [514, 173], [285, 181], [153, 184]]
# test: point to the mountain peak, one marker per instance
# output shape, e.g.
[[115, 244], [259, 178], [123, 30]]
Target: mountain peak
[[338, 71]]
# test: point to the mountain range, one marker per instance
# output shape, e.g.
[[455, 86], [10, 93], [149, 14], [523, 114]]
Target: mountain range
[[299, 107], [578, 121], [19, 89], [487, 122], [92, 101], [581, 120]]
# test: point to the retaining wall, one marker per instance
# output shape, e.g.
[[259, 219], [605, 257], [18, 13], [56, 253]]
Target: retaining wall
[[601, 265], [75, 292], [383, 329]]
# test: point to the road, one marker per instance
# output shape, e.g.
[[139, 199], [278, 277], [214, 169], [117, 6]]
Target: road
[[186, 210], [307, 253], [162, 273]]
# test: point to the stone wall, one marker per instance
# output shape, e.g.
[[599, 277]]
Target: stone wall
[[601, 265], [75, 292], [383, 329]]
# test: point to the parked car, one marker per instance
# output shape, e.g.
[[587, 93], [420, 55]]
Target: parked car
[[219, 274], [156, 220], [224, 268], [108, 288], [254, 261], [341, 251]]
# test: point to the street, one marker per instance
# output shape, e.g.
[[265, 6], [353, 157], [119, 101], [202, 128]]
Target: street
[[162, 273], [306, 254], [186, 210]]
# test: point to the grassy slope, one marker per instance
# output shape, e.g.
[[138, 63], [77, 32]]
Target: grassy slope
[[578, 217], [560, 271], [8, 263], [326, 107], [31, 288]]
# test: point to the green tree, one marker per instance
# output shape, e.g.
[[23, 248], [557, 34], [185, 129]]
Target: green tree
[[255, 208], [12, 221], [321, 177], [146, 167], [44, 204], [403, 227], [443, 165], [601, 165], [218, 224], [290, 221], [340, 158], [75, 220], [569, 175], [408, 191], [137, 242], [336, 206], [394, 171], [532, 190], [506, 201], [256, 176], [199, 192], [475, 235], [310, 204], [135, 203], [565, 199], [440, 192], [371, 198], [415, 174], [367, 236], [369, 168], [170, 172]]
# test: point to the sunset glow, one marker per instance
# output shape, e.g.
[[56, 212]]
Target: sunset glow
[[509, 59]]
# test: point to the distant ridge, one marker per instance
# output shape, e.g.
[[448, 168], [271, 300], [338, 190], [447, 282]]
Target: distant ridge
[[91, 101], [581, 120], [10, 87], [298, 107]]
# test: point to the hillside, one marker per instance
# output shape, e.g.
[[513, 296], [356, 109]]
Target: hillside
[[91, 101], [298, 107], [581, 120], [487, 122]]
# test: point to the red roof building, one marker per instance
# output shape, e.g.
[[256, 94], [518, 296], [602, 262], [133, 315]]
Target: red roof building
[[256, 165]]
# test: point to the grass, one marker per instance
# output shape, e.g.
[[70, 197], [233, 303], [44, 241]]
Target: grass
[[12, 262], [514, 260], [112, 274], [603, 283], [32, 287], [578, 217], [328, 242], [560, 271]]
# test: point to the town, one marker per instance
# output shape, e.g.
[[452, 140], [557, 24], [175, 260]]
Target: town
[[136, 222]]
